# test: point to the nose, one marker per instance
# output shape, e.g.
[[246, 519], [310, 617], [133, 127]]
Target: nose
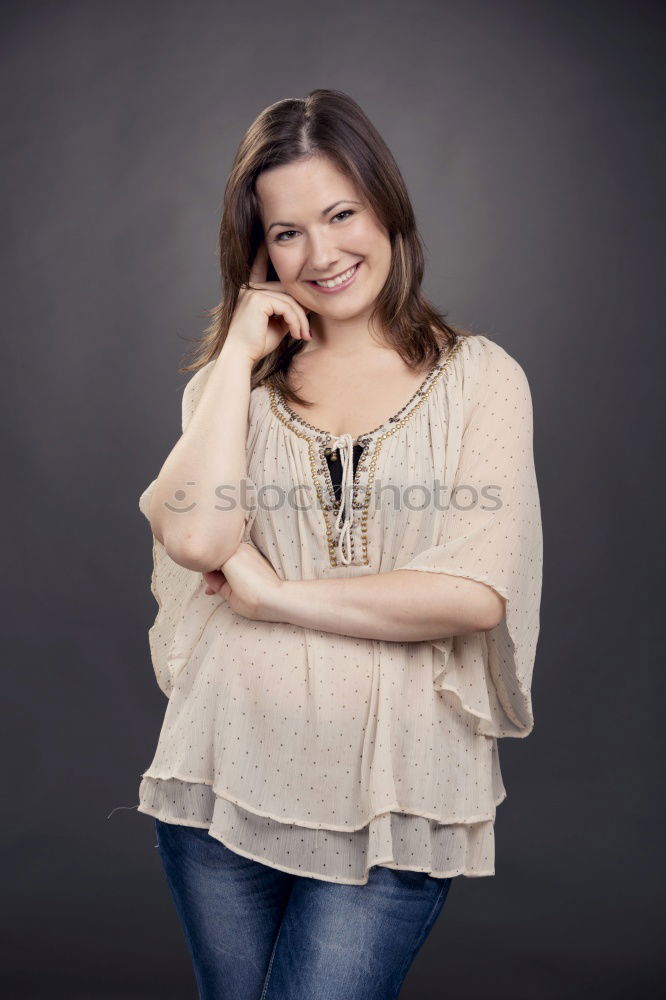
[[322, 254]]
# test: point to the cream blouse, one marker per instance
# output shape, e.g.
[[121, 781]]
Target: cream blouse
[[324, 754]]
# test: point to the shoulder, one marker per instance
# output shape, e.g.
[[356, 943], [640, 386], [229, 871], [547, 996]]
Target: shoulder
[[489, 358], [489, 383], [490, 368]]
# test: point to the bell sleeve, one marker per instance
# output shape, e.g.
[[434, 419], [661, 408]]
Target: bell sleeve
[[183, 605], [490, 532]]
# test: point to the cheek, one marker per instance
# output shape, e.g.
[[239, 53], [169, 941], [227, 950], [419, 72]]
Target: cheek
[[371, 240], [286, 266]]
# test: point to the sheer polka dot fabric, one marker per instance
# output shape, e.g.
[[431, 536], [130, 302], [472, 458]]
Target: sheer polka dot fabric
[[321, 754]]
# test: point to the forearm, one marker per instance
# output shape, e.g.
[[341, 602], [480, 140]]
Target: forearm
[[198, 527], [399, 606]]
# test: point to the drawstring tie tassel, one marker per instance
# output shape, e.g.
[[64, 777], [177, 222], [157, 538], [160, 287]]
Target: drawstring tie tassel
[[344, 521]]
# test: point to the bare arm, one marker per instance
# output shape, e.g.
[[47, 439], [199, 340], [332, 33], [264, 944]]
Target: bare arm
[[399, 606], [209, 454], [199, 528]]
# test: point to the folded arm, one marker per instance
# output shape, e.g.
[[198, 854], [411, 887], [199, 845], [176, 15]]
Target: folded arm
[[399, 606]]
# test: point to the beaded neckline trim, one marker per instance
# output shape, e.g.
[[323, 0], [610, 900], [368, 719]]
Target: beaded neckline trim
[[372, 442], [444, 355]]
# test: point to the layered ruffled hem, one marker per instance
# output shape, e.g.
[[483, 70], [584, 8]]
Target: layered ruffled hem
[[391, 839]]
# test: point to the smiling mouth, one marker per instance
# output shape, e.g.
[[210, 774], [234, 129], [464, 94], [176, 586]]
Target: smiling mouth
[[347, 276]]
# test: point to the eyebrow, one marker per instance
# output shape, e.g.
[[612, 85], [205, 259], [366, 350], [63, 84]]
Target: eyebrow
[[330, 208]]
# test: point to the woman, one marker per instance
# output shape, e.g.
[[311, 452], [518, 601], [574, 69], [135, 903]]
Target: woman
[[347, 561]]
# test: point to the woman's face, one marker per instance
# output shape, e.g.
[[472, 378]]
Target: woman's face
[[317, 225]]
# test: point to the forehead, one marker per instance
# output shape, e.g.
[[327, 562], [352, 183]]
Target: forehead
[[307, 185]]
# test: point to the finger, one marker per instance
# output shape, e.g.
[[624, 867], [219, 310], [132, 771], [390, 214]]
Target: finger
[[298, 327], [259, 268], [214, 580], [300, 316], [258, 281], [293, 315]]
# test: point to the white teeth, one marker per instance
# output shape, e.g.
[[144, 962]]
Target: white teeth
[[337, 281]]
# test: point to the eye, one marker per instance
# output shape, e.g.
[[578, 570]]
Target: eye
[[286, 232]]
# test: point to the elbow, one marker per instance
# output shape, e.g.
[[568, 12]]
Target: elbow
[[156, 530], [493, 610], [189, 547], [198, 554]]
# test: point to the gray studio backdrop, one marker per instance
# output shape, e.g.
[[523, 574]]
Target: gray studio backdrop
[[531, 138]]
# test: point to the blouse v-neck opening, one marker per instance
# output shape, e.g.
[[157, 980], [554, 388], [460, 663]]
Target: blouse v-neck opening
[[360, 482], [362, 439]]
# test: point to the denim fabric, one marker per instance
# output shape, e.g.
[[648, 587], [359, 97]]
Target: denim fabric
[[257, 933]]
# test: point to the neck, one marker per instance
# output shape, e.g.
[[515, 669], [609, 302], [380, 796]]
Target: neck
[[343, 339]]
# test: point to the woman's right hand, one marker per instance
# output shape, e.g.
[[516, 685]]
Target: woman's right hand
[[265, 313]]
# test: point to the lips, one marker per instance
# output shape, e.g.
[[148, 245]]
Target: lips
[[332, 277], [342, 285]]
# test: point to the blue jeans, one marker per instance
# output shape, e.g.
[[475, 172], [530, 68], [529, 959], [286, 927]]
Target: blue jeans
[[257, 933]]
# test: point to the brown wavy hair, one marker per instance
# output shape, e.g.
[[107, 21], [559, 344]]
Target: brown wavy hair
[[331, 124]]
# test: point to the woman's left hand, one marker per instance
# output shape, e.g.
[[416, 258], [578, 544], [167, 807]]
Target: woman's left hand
[[249, 583]]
